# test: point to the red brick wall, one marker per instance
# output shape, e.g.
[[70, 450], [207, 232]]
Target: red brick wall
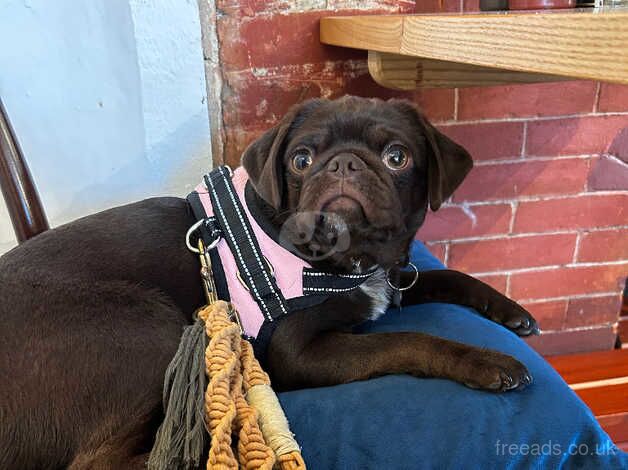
[[543, 216]]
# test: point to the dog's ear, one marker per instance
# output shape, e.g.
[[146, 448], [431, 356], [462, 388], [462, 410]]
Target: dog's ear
[[263, 159], [448, 163]]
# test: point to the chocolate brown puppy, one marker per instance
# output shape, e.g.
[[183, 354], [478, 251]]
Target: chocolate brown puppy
[[92, 312]]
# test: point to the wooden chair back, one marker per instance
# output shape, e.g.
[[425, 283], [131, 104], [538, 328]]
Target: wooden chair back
[[23, 203]]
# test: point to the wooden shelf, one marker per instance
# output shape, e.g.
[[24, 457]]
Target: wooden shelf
[[410, 51]]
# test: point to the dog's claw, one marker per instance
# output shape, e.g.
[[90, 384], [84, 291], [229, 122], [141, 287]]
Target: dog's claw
[[512, 316], [522, 324], [498, 373], [507, 382]]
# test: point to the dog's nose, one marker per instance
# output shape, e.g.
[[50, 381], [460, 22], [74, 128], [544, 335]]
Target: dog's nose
[[345, 164]]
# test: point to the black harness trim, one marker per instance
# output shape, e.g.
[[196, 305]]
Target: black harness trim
[[238, 234], [208, 237]]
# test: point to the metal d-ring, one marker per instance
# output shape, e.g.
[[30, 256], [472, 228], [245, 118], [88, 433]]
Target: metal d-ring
[[189, 233], [409, 286]]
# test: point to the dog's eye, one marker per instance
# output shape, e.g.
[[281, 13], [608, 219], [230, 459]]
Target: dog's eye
[[395, 157], [301, 159]]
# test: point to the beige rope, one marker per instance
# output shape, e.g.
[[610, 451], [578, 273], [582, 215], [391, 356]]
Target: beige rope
[[272, 420], [259, 423]]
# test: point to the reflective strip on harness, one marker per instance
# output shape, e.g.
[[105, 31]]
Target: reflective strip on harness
[[317, 282]]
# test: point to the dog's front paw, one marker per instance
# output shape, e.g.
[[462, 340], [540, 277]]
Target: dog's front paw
[[495, 372], [513, 316]]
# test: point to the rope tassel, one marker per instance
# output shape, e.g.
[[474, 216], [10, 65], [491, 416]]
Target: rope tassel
[[237, 401], [181, 439]]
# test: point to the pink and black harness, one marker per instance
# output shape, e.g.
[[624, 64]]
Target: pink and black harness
[[264, 280]]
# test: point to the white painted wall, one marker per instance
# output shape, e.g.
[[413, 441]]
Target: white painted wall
[[107, 98]]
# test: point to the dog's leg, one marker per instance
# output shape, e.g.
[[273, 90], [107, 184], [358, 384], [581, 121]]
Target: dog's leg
[[459, 288], [334, 357], [308, 349]]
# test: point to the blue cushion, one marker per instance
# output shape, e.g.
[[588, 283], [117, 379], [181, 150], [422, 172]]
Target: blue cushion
[[403, 422]]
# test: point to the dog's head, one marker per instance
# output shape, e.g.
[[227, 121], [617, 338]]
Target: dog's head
[[349, 181]]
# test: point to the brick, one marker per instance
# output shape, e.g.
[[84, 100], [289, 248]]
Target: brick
[[241, 8], [591, 311], [619, 146], [438, 104], [549, 315], [354, 79], [399, 6], [236, 141], [437, 6], [511, 180], [275, 40], [471, 5], [496, 281], [568, 281], [244, 8], [438, 250], [613, 97], [258, 102], [573, 341], [255, 7], [451, 222], [573, 136], [512, 253], [488, 141], [607, 245], [608, 174], [539, 99], [572, 213]]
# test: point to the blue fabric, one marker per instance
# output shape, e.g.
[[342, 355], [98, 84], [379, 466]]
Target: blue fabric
[[402, 422]]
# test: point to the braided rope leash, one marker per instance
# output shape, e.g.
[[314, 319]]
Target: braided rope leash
[[228, 394], [264, 436]]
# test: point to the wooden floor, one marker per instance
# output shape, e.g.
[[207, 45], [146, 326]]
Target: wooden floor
[[601, 380]]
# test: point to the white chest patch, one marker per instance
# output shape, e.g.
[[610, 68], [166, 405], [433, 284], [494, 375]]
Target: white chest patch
[[380, 293]]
